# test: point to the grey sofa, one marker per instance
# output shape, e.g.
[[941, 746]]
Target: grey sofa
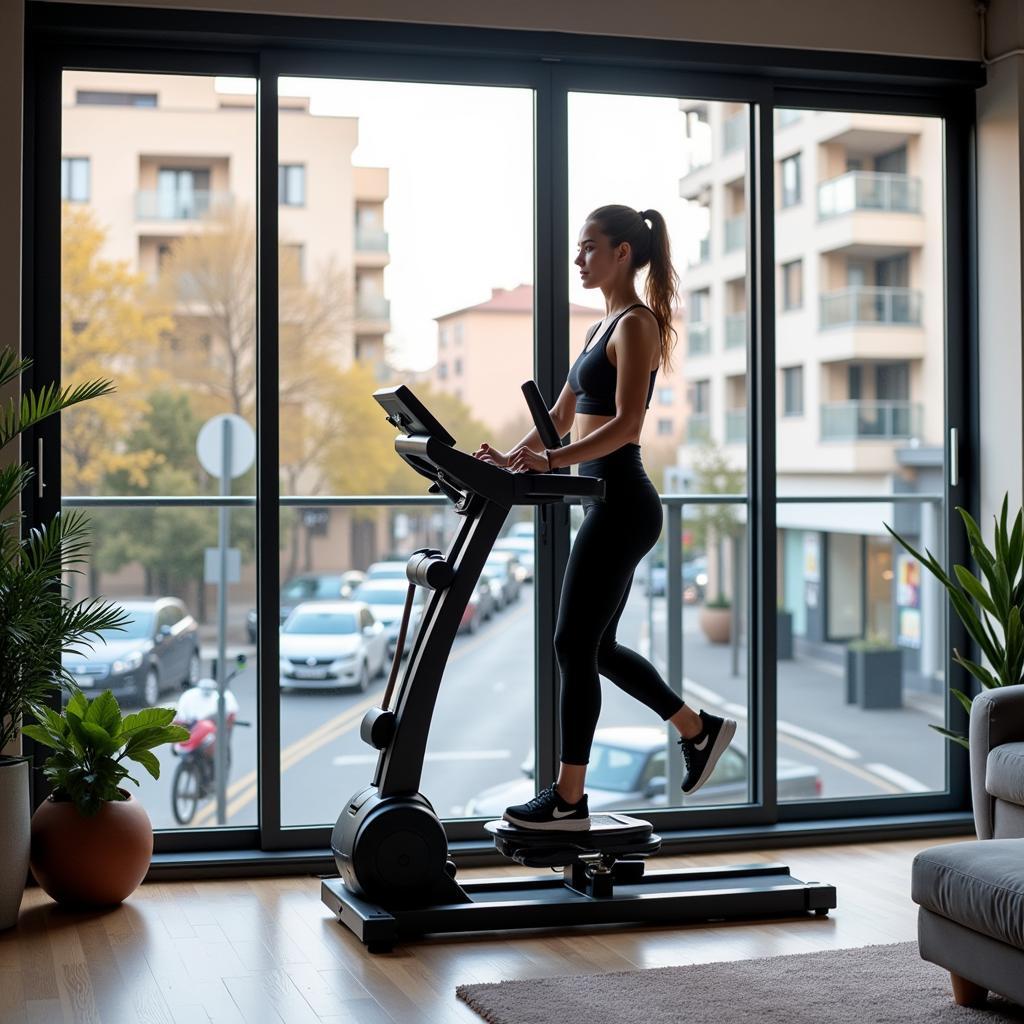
[[971, 895]]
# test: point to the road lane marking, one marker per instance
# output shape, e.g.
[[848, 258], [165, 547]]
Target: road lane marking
[[246, 788], [906, 782], [816, 738], [344, 760]]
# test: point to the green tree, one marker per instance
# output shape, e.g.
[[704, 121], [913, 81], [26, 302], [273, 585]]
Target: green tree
[[714, 526]]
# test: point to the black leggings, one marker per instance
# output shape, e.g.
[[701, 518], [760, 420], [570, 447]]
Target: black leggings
[[617, 531]]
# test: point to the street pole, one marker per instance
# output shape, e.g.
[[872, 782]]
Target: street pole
[[221, 749]]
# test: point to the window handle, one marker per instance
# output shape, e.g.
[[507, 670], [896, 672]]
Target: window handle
[[954, 457], [39, 470]]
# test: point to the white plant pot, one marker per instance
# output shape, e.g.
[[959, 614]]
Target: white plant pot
[[15, 822]]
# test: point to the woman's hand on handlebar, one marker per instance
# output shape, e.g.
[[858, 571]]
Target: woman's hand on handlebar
[[492, 455], [523, 459]]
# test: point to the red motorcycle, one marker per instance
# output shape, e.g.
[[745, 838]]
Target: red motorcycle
[[195, 776]]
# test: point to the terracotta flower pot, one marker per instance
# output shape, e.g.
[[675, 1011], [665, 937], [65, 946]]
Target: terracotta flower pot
[[97, 861], [716, 624]]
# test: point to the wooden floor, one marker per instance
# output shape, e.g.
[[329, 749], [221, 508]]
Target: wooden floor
[[267, 950]]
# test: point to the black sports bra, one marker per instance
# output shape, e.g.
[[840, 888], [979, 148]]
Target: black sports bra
[[593, 377]]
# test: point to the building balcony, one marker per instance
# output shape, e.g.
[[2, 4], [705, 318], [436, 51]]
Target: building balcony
[[152, 204], [703, 254], [369, 239], [736, 330], [698, 339], [736, 233], [373, 308], [734, 133], [735, 426], [868, 190], [698, 428], [862, 304], [860, 419]]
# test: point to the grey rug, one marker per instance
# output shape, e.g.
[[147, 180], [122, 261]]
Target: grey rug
[[869, 985]]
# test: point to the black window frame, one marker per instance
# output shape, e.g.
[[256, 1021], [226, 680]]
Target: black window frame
[[266, 47]]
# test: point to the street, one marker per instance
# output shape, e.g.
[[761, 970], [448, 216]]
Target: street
[[482, 727]]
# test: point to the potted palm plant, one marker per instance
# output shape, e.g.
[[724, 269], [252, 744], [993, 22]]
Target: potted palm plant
[[92, 841], [36, 623], [996, 624]]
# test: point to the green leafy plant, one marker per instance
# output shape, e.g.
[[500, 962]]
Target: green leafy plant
[[996, 625], [91, 741], [718, 602], [37, 623]]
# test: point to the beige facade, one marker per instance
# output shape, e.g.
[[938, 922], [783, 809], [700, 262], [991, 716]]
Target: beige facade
[[859, 292], [174, 150], [484, 353]]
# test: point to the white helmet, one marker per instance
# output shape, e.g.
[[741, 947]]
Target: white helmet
[[207, 684]]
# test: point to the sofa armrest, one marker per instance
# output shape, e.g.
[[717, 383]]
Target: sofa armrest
[[997, 717]]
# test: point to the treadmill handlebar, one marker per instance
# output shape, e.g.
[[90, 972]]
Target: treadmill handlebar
[[422, 451]]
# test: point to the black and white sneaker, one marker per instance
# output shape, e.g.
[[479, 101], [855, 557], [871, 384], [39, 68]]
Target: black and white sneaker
[[701, 752], [548, 811]]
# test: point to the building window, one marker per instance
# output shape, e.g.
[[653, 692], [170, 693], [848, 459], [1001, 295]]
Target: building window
[[182, 193], [291, 184], [665, 396], [793, 391], [99, 98], [442, 371], [458, 334], [458, 367], [74, 179], [791, 191], [664, 427], [793, 284], [700, 397], [442, 337]]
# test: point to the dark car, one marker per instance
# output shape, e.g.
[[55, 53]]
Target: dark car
[[694, 575], [310, 586], [157, 651]]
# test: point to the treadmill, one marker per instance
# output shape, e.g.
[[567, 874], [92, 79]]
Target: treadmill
[[396, 878]]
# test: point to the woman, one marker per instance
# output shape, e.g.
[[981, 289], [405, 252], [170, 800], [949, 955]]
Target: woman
[[607, 392]]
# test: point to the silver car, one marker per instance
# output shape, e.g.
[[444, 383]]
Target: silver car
[[386, 599], [628, 770], [332, 644]]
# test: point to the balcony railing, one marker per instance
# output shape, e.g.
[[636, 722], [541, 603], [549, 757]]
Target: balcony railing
[[736, 330], [736, 232], [856, 419], [734, 132], [373, 307], [735, 425], [698, 339], [698, 428], [155, 205], [869, 305], [869, 190], [369, 239]]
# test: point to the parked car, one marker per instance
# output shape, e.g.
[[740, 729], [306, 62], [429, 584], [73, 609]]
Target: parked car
[[330, 644], [386, 599], [522, 548], [628, 769], [502, 567], [694, 579], [310, 586], [157, 651], [390, 570]]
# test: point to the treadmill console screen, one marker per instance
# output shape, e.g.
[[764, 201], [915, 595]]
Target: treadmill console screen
[[408, 414]]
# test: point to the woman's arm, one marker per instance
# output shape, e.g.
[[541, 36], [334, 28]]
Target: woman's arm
[[635, 348]]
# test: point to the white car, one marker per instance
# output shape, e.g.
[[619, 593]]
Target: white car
[[522, 548], [386, 599], [387, 571], [330, 644], [628, 770]]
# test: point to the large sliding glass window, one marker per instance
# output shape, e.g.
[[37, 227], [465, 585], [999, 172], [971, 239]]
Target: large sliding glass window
[[418, 227]]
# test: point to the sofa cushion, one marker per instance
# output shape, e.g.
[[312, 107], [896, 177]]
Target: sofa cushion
[[979, 884], [1004, 772]]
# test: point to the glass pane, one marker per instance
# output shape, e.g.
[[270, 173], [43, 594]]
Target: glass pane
[[690, 165], [869, 338], [157, 295], [403, 282]]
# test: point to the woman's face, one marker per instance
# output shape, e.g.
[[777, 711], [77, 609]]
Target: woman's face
[[597, 261]]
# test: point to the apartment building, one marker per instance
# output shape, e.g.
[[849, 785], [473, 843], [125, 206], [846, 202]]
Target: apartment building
[[859, 352], [492, 342], [156, 156]]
